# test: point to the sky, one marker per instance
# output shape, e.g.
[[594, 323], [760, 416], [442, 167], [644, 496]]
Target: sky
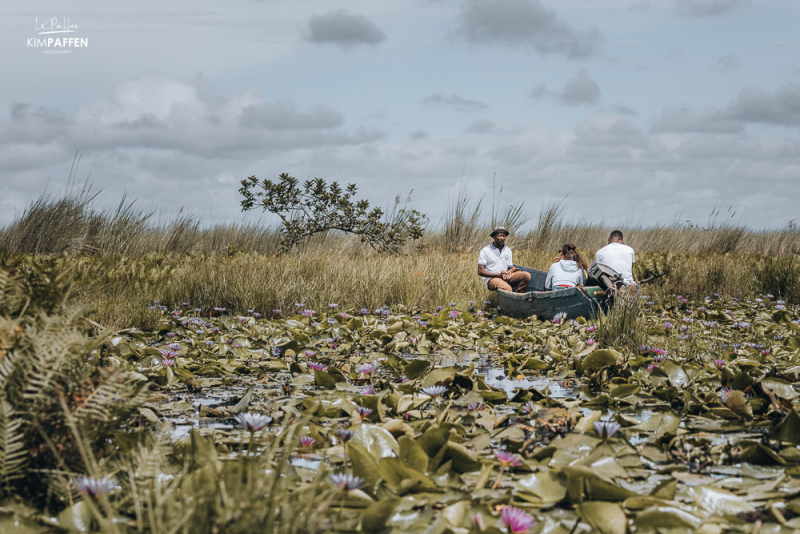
[[628, 111]]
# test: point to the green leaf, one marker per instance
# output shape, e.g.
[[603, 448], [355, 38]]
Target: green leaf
[[412, 454], [365, 465], [599, 359], [603, 517], [376, 515], [788, 430], [416, 368]]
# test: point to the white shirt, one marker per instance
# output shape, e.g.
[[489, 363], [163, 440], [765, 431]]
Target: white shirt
[[495, 260], [618, 257]]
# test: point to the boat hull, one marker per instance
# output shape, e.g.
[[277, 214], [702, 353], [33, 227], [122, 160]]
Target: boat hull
[[546, 304]]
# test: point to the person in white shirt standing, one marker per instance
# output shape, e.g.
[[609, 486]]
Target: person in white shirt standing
[[617, 256], [496, 266]]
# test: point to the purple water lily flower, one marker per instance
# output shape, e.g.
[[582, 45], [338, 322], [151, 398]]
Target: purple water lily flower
[[719, 364], [517, 520], [307, 441], [529, 407], [606, 429], [367, 368], [95, 486], [590, 342], [369, 390], [590, 329], [507, 458], [317, 366], [558, 318], [363, 311], [434, 391], [652, 366], [346, 482], [253, 421], [479, 313], [345, 435], [332, 305], [209, 342], [363, 411], [475, 406], [453, 314]]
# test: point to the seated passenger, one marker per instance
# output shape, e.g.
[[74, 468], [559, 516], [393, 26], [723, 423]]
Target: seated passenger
[[496, 266], [566, 272], [618, 257]]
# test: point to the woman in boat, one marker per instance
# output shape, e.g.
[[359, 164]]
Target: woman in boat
[[567, 272]]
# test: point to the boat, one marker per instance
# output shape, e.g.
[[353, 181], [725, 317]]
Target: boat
[[573, 301]]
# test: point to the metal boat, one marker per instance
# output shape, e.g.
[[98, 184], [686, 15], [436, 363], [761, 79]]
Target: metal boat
[[545, 305]]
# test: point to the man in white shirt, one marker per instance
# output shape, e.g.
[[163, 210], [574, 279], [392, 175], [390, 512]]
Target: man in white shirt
[[617, 256], [496, 266]]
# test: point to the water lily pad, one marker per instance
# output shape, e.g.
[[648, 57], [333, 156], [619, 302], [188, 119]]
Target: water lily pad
[[661, 518], [376, 515], [412, 454], [599, 359], [718, 501], [788, 430], [603, 517], [365, 465], [544, 487]]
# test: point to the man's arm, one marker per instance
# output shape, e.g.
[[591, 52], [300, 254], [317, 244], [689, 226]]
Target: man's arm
[[483, 272]]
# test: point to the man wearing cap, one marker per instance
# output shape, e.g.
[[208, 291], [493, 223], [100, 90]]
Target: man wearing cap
[[496, 266]]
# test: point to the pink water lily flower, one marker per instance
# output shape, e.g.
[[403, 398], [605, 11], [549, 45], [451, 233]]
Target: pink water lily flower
[[517, 520], [95, 486], [507, 458], [367, 368]]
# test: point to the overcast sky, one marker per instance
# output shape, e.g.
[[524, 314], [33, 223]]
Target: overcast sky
[[638, 111]]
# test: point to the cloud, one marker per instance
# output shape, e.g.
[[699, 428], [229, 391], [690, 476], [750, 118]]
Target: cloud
[[524, 23], [727, 63], [758, 105], [344, 29], [580, 89], [455, 100], [418, 135], [190, 117], [708, 119], [481, 126], [624, 109], [707, 8], [752, 105]]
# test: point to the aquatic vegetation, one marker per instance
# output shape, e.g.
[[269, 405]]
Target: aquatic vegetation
[[403, 420]]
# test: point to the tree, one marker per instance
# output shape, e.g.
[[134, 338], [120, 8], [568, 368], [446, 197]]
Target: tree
[[318, 207]]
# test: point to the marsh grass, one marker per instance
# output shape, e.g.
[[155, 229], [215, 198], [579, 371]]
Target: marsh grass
[[624, 327], [122, 260]]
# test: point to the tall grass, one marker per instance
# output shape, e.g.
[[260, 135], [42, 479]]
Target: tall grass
[[122, 260]]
